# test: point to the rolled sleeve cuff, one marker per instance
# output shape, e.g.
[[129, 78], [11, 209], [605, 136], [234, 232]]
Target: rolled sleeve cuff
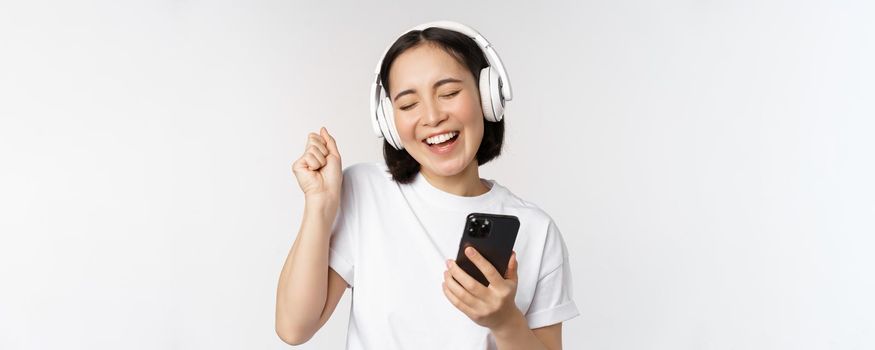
[[342, 266], [552, 316]]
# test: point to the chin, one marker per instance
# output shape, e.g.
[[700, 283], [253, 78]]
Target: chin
[[449, 167]]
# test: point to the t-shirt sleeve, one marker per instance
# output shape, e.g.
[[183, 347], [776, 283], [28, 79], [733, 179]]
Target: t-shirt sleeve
[[552, 302], [342, 244]]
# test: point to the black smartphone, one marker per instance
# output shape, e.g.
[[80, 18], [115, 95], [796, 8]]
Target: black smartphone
[[493, 235]]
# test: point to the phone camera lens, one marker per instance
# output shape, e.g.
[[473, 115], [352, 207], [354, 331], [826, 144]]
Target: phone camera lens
[[484, 229], [477, 227]]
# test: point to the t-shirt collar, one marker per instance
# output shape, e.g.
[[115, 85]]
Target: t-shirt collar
[[455, 202]]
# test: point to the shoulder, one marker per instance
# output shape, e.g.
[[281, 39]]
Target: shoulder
[[538, 233], [362, 168], [364, 171], [528, 209], [362, 182], [366, 177]]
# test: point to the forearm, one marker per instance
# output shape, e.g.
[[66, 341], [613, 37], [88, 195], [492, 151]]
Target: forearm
[[516, 335], [303, 283]]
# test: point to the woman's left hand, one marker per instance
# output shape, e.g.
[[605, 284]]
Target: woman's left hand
[[491, 306]]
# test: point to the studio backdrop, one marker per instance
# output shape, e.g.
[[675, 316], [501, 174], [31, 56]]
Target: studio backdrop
[[709, 164]]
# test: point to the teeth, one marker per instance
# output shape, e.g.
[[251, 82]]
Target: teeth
[[441, 138]]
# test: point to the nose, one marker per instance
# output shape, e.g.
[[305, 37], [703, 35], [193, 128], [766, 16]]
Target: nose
[[433, 114]]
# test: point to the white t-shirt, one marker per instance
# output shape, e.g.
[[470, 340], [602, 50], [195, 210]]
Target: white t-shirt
[[390, 242]]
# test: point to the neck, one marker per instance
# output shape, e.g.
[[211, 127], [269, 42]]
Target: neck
[[466, 183]]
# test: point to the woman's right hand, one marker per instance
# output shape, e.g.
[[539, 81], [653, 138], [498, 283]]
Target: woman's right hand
[[318, 171]]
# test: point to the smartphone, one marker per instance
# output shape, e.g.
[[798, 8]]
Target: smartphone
[[493, 236]]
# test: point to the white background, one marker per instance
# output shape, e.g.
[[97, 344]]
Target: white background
[[710, 164]]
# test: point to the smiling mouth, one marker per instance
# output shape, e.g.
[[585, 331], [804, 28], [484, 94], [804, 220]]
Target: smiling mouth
[[441, 140]]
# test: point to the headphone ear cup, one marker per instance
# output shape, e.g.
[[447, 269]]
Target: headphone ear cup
[[377, 121], [382, 124], [388, 116], [377, 92], [490, 95]]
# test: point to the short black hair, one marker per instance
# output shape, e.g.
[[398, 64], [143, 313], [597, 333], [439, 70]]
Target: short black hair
[[401, 164]]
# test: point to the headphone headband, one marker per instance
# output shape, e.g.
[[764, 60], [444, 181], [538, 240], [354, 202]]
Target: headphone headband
[[485, 46]]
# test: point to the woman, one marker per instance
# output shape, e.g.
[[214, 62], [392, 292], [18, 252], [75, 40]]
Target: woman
[[390, 231]]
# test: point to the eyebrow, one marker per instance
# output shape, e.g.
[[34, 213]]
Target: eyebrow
[[436, 85]]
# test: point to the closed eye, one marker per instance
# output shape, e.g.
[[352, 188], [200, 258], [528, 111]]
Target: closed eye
[[404, 108]]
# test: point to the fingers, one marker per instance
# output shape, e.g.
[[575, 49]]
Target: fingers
[[329, 140], [316, 151], [465, 280], [313, 163], [458, 296], [511, 273], [484, 265], [299, 165], [458, 291], [316, 141], [318, 156], [458, 303]]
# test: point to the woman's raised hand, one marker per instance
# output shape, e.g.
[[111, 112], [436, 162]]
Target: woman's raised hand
[[318, 171]]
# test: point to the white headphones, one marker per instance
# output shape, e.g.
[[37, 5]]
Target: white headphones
[[494, 86]]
